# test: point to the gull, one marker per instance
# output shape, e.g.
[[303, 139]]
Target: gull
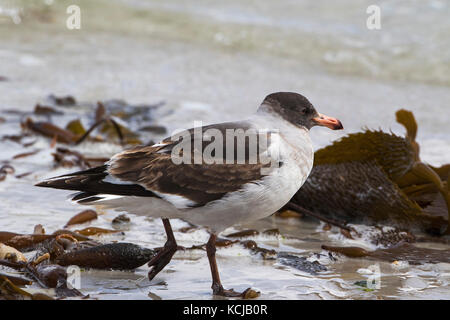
[[213, 176]]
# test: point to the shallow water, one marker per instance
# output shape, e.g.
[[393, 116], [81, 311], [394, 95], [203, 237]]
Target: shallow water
[[215, 61]]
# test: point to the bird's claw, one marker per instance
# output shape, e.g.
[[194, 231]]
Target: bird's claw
[[230, 293], [158, 262]]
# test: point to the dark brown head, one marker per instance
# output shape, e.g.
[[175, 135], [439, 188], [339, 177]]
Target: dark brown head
[[296, 109]]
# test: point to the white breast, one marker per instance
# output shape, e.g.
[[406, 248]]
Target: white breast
[[258, 200]]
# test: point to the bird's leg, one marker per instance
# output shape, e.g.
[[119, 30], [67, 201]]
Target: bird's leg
[[216, 284], [164, 256]]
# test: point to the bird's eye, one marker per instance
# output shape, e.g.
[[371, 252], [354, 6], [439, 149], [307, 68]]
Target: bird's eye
[[304, 111]]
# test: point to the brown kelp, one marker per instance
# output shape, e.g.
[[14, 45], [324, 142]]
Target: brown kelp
[[10, 253], [300, 263], [29, 242], [92, 231], [50, 130], [5, 170], [403, 251], [23, 242], [44, 274], [10, 291], [376, 177], [46, 110], [82, 217], [67, 158], [53, 253], [65, 250], [106, 118], [123, 256]]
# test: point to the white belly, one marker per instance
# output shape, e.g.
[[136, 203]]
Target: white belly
[[257, 201]]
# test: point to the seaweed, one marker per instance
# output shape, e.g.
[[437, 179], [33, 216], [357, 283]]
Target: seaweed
[[82, 217], [403, 251], [300, 263], [123, 256], [375, 177]]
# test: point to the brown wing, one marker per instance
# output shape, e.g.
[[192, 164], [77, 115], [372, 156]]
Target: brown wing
[[153, 168]]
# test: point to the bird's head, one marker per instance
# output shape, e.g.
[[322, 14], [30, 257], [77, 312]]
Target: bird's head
[[296, 109]]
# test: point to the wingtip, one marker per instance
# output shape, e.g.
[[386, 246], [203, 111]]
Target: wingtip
[[42, 184], [48, 182]]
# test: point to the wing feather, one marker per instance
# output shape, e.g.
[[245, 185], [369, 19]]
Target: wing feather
[[149, 171], [200, 183]]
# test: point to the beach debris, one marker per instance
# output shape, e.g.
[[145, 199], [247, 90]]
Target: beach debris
[[401, 252], [18, 138], [62, 101], [8, 169], [122, 256], [46, 110], [222, 242], [286, 213], [46, 275], [41, 296], [61, 244], [51, 276], [68, 136], [18, 281], [50, 130], [250, 294], [10, 291], [22, 241], [100, 112], [11, 254], [242, 234], [346, 234], [29, 242], [22, 175], [68, 158], [300, 263], [91, 231], [272, 232], [113, 118], [5, 170], [114, 129], [125, 116], [25, 154], [76, 127], [266, 254], [74, 235], [351, 252], [14, 137], [154, 129], [82, 217], [38, 229], [374, 178], [389, 236], [130, 113], [121, 219]]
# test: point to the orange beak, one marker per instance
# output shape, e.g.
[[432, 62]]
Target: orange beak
[[326, 121]]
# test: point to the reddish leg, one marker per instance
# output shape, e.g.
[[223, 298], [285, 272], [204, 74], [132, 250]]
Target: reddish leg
[[164, 256], [216, 284]]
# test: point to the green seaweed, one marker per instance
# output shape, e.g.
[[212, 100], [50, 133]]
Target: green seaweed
[[76, 127]]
